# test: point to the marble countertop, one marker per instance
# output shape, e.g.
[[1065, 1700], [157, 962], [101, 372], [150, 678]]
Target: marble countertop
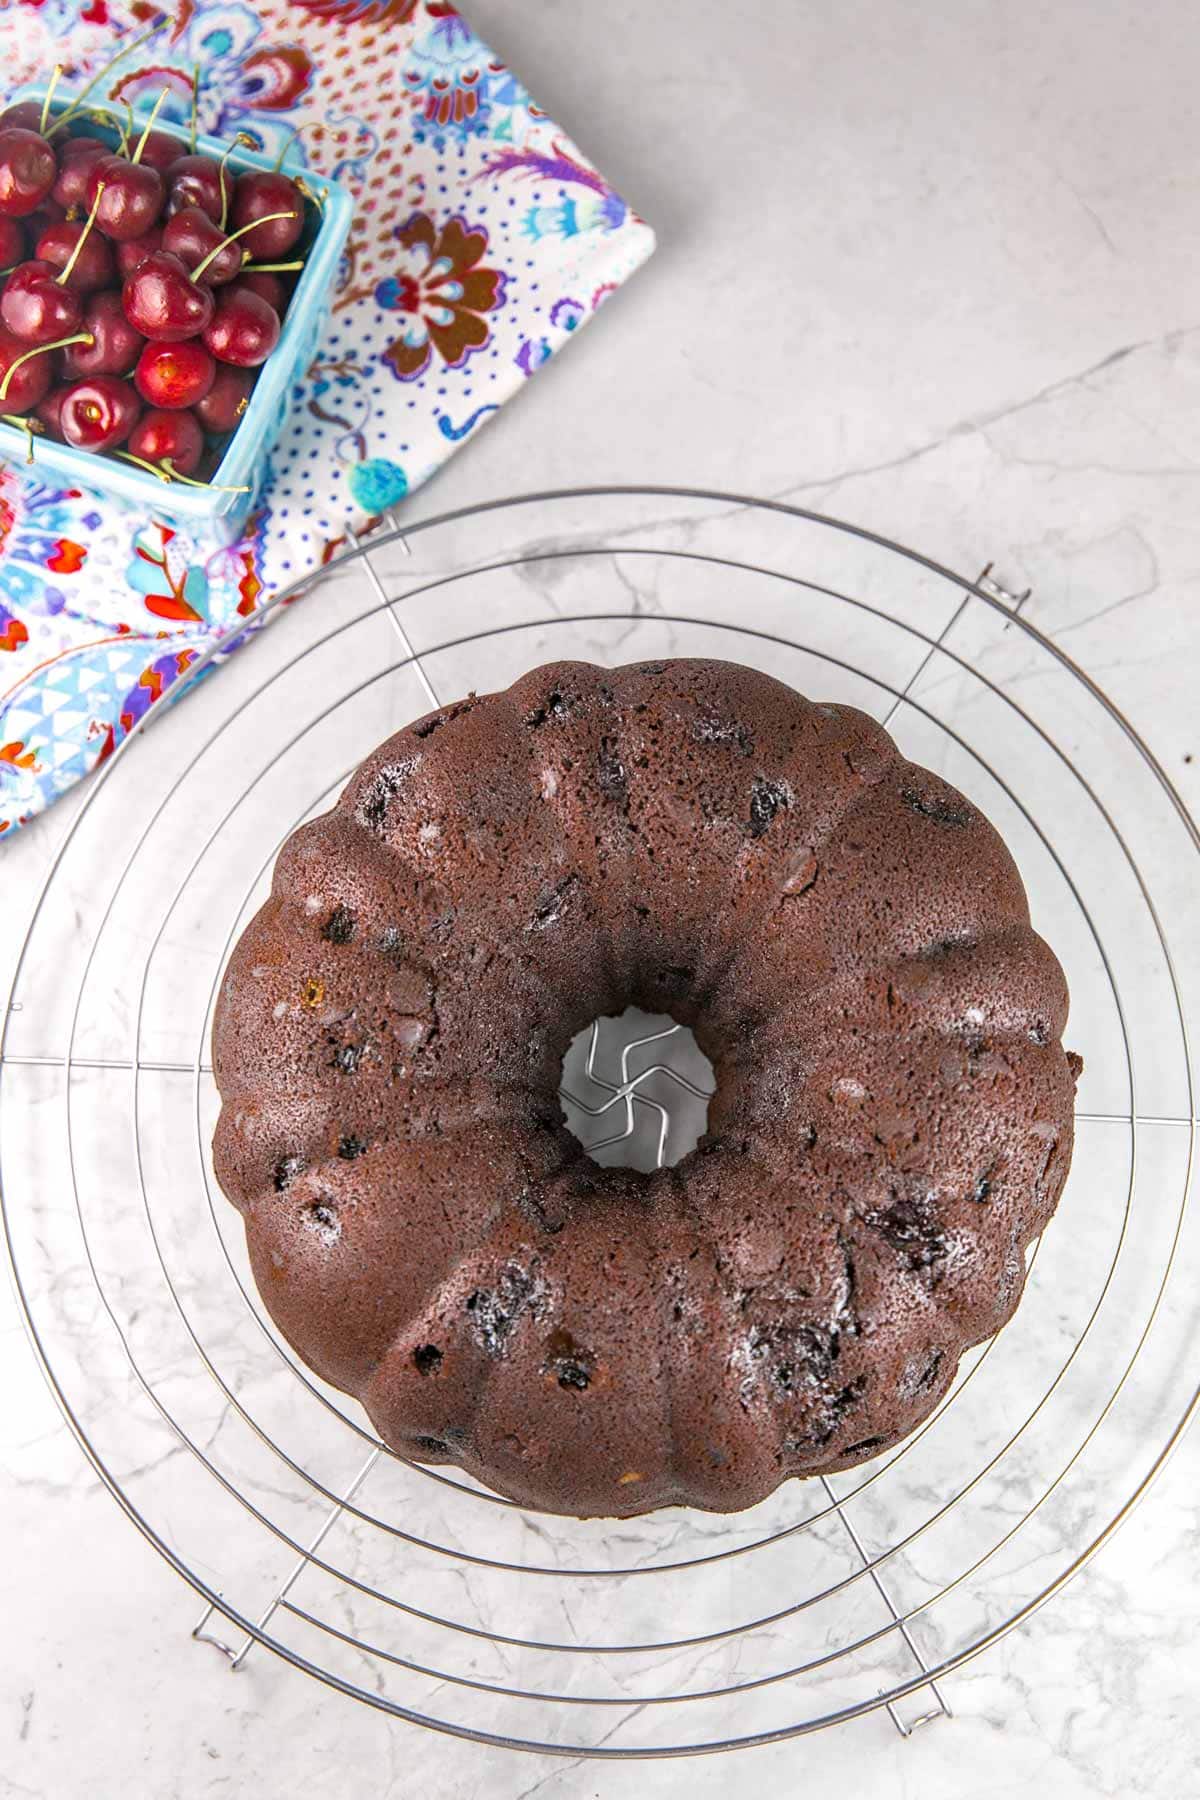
[[933, 272]]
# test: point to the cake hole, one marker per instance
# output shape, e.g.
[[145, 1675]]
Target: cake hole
[[644, 1104]]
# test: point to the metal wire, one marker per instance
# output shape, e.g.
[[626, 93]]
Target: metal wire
[[349, 1503], [354, 693], [871, 1569], [627, 1092]]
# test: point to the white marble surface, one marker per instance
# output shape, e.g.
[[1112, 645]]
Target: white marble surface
[[930, 271]]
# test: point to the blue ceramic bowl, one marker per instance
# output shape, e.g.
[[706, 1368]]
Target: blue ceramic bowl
[[244, 465]]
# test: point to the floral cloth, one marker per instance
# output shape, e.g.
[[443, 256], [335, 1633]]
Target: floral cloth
[[482, 240]]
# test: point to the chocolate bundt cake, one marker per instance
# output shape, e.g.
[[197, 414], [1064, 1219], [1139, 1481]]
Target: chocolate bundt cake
[[849, 940]]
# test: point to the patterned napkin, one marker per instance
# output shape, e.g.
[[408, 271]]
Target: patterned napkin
[[482, 240]]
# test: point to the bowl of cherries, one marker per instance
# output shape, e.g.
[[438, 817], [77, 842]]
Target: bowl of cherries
[[159, 294]]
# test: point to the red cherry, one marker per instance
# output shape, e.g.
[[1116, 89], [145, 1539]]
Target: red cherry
[[98, 413], [94, 264], [48, 411], [134, 251], [115, 345], [268, 191], [267, 286], [163, 302], [226, 400], [132, 198], [81, 143], [25, 113], [160, 151], [197, 181], [12, 242], [27, 171], [48, 213], [173, 437], [244, 330], [190, 235], [36, 307], [174, 375], [30, 382], [74, 170]]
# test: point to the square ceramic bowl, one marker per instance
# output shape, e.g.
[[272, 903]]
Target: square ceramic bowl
[[214, 509]]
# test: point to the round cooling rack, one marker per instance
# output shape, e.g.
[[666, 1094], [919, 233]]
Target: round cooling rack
[[413, 1589]]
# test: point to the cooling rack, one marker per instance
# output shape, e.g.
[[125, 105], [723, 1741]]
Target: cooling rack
[[413, 1589]]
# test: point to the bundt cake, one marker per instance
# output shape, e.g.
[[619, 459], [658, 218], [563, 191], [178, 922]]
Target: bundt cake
[[848, 939]]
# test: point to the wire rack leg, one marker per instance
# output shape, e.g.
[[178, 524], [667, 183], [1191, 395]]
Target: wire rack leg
[[905, 1727], [237, 1657]]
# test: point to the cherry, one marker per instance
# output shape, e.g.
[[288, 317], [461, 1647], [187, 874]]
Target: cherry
[[198, 181], [49, 213], [168, 437], [190, 234], [134, 251], [93, 266], [74, 170], [266, 285], [163, 302], [48, 411], [12, 242], [174, 375], [27, 171], [21, 388], [40, 301], [27, 114], [115, 344], [160, 151], [37, 306], [265, 191], [82, 143], [167, 302], [226, 400], [98, 413], [244, 330], [132, 199]]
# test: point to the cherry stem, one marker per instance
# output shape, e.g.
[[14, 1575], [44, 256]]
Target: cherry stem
[[317, 198], [133, 44], [65, 273], [150, 468], [195, 102], [241, 231], [271, 268], [298, 131], [78, 337], [174, 475], [247, 143], [54, 80], [103, 115], [166, 471], [31, 427], [149, 127]]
